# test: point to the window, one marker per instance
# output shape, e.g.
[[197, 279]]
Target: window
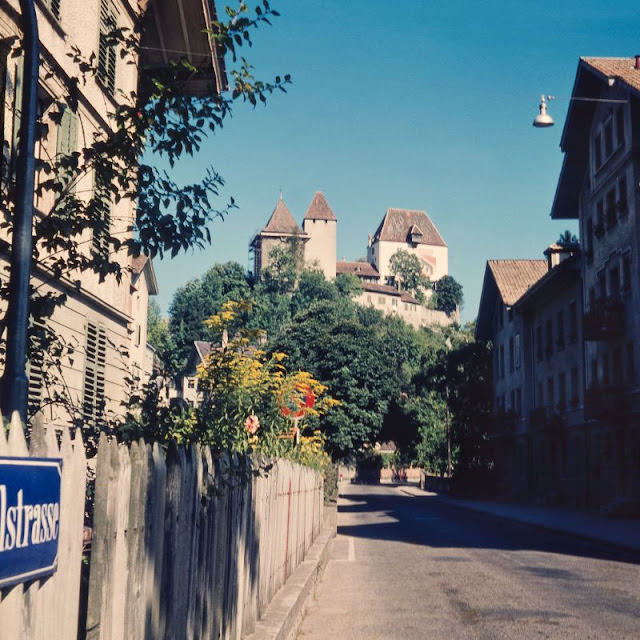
[[575, 385], [560, 328], [620, 127], [611, 208], [602, 284], [66, 144], [562, 391], [622, 204], [191, 383], [617, 367], [381, 300], [608, 138], [614, 282], [589, 240], [597, 152], [501, 362], [54, 8], [102, 212], [605, 370], [35, 366], [573, 322], [540, 398], [511, 355], [106, 47], [94, 374], [594, 373], [599, 226], [516, 350], [548, 347], [394, 302]]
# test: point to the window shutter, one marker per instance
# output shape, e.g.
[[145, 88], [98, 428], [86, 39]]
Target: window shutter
[[106, 50], [54, 8], [103, 215], [66, 144], [94, 374]]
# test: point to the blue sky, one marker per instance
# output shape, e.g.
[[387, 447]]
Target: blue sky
[[412, 104]]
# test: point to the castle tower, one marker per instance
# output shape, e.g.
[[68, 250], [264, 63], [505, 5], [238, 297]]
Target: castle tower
[[281, 230], [320, 224]]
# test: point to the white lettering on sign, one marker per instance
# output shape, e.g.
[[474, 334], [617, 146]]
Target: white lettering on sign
[[24, 525]]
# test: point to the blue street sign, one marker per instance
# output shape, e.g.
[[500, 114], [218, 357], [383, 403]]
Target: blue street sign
[[29, 518]]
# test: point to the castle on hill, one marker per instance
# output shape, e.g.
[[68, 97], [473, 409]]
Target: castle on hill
[[409, 230]]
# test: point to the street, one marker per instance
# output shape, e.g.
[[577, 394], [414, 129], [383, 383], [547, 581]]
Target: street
[[415, 567]]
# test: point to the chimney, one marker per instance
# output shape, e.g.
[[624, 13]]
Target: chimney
[[637, 65], [556, 253]]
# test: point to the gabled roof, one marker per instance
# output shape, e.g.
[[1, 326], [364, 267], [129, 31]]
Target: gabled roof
[[506, 281], [593, 80], [360, 269], [281, 221], [563, 276], [514, 277], [619, 68], [319, 209], [397, 225]]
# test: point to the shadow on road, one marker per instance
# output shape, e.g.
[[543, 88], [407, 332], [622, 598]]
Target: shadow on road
[[385, 515]]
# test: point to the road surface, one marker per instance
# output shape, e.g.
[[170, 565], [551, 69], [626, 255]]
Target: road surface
[[415, 567]]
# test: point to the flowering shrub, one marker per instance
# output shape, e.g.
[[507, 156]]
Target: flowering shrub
[[250, 401]]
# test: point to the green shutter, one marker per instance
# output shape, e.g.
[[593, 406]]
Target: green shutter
[[106, 50], [66, 144], [94, 374], [102, 230]]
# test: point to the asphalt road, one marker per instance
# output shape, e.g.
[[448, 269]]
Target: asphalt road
[[413, 567]]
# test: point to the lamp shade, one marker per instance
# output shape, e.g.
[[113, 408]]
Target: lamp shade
[[543, 119]]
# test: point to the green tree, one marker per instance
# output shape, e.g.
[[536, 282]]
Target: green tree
[[567, 238], [448, 294], [131, 159], [408, 274], [199, 299]]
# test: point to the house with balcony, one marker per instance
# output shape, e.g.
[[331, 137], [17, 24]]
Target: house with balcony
[[598, 186]]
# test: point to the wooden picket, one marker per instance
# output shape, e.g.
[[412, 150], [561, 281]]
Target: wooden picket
[[49, 608], [185, 544]]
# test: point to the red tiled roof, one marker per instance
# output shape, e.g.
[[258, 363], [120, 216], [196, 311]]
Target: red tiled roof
[[319, 209], [514, 277], [361, 269], [281, 221], [397, 225], [622, 68]]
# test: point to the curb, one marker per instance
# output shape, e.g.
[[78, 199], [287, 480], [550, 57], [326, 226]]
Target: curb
[[546, 526], [284, 614]]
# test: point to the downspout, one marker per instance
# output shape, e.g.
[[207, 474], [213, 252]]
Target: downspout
[[14, 381]]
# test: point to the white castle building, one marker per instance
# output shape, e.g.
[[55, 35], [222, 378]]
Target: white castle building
[[409, 230]]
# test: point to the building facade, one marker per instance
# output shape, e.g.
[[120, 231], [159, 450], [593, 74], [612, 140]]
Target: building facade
[[316, 242], [102, 324], [581, 321]]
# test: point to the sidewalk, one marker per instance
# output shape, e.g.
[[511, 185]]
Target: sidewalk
[[621, 532]]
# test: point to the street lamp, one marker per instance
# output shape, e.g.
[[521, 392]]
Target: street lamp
[[14, 380], [543, 119]]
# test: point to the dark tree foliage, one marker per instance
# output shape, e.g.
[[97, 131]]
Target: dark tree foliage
[[199, 299], [448, 295]]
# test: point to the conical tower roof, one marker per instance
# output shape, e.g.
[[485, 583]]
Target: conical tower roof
[[319, 209], [281, 220]]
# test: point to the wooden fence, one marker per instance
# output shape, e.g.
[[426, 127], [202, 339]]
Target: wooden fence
[[184, 545]]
